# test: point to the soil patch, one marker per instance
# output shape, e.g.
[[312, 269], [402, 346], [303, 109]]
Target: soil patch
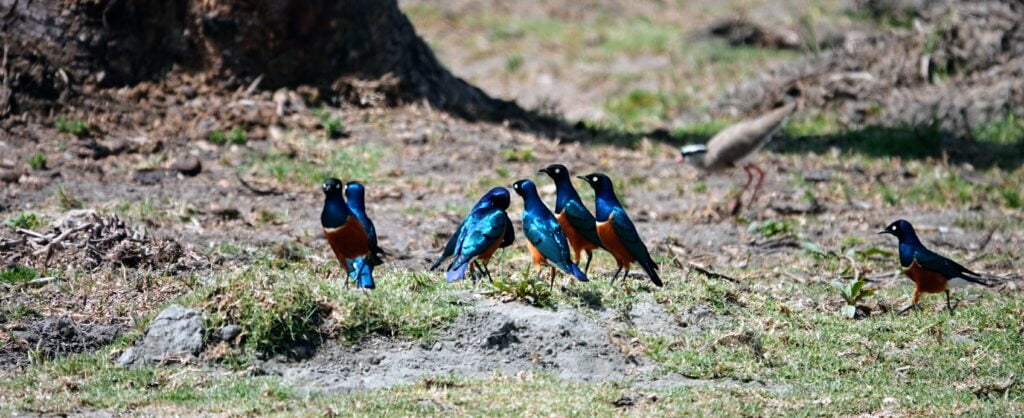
[[494, 337], [51, 337]]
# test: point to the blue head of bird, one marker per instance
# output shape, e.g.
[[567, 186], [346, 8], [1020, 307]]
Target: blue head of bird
[[355, 191], [524, 187], [902, 230], [601, 183], [557, 172], [333, 188], [692, 154], [497, 197]]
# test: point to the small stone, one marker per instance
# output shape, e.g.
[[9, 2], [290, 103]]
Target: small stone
[[229, 333], [127, 357], [188, 165], [9, 176]]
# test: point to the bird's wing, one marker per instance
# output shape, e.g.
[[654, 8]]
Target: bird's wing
[[738, 141], [548, 238], [630, 238], [944, 266], [510, 233], [489, 226], [581, 219]]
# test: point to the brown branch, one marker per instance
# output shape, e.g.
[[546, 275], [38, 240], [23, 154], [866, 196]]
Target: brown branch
[[710, 274]]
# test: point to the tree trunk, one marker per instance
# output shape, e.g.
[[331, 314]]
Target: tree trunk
[[60, 48]]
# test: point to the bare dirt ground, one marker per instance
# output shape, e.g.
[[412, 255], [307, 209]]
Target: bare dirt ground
[[423, 170]]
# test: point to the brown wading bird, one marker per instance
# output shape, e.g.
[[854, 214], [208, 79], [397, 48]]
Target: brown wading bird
[[734, 146]]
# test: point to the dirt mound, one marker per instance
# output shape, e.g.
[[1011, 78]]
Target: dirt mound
[[502, 337], [52, 337], [87, 240], [960, 66]]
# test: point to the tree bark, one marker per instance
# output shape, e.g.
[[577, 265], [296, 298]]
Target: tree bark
[[59, 47]]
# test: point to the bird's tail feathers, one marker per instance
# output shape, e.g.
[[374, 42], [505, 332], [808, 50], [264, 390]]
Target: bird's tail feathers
[[975, 278], [437, 263], [652, 271], [457, 273], [360, 270], [577, 273]]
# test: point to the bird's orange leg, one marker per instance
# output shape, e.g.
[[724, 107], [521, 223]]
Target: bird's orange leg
[[760, 181], [913, 302]]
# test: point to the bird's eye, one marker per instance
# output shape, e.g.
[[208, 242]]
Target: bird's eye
[[557, 170], [594, 178]]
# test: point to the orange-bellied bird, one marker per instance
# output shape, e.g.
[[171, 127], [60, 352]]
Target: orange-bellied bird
[[579, 225], [931, 272], [342, 229], [497, 195], [361, 269], [485, 230], [544, 236], [617, 232]]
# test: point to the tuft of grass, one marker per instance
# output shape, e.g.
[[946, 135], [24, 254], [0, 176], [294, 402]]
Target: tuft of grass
[[513, 63], [852, 293], [640, 107], [771, 228], [310, 167], [1008, 129], [66, 199], [235, 136], [513, 155], [333, 127], [282, 305], [1011, 197], [17, 274], [24, 220], [527, 290], [74, 127], [37, 161]]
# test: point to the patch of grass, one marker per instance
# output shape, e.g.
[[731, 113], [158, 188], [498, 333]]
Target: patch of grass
[[17, 274], [700, 131], [280, 305], [235, 136], [852, 293], [74, 127], [771, 228], [522, 155], [638, 36], [37, 161], [24, 220], [1011, 197], [513, 63], [311, 167], [640, 107], [66, 199], [1006, 130], [144, 210], [527, 290]]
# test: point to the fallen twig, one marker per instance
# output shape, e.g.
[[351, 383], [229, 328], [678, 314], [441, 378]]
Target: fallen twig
[[260, 192], [49, 247], [33, 233], [710, 274]]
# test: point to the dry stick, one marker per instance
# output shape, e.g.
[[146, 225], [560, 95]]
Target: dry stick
[[710, 274], [984, 243], [259, 192], [48, 249], [33, 233]]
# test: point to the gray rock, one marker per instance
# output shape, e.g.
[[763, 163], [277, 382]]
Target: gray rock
[[229, 332], [188, 165], [176, 335]]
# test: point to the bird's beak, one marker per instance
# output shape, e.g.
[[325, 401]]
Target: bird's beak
[[883, 232], [680, 159], [583, 178], [543, 170]]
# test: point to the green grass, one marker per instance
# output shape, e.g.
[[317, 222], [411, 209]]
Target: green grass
[[24, 220], [313, 165], [17, 274], [66, 199], [235, 136], [74, 127], [280, 305], [37, 161]]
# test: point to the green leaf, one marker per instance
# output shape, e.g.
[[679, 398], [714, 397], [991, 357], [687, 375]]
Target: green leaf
[[849, 311], [812, 247]]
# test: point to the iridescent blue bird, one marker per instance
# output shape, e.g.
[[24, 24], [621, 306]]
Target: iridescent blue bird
[[579, 225], [344, 232], [497, 194], [361, 269], [544, 236], [930, 272], [486, 229], [617, 232]]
